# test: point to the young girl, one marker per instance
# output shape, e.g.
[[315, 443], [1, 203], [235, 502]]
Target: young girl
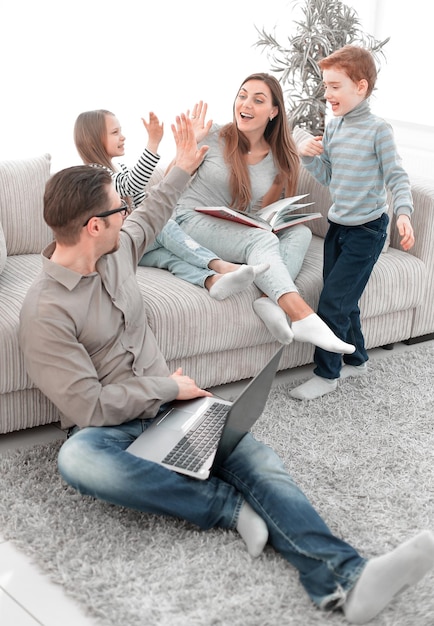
[[98, 139], [251, 162]]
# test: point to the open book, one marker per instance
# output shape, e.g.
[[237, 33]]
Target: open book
[[274, 217]]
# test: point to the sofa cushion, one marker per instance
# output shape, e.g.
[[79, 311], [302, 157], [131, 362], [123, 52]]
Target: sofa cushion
[[188, 322], [22, 185], [202, 325]]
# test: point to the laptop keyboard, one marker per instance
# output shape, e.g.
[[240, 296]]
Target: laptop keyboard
[[191, 451]]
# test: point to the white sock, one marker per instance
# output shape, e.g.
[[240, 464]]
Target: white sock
[[274, 319], [314, 388], [385, 576], [353, 371], [252, 529], [312, 329], [238, 280], [232, 282], [260, 269]]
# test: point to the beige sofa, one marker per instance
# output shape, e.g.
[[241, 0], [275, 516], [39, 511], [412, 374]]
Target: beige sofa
[[215, 342]]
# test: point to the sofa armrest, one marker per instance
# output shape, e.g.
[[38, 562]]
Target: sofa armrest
[[22, 186], [423, 225], [422, 221]]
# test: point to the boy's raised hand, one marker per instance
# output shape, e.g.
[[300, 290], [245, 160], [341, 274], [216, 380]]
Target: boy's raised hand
[[188, 155]]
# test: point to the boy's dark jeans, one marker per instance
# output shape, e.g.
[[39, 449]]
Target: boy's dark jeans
[[350, 253]]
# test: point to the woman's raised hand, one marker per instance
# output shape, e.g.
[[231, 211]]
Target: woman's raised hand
[[198, 115]]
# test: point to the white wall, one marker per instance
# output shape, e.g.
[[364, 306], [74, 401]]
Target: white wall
[[128, 57], [403, 94], [59, 59], [404, 91]]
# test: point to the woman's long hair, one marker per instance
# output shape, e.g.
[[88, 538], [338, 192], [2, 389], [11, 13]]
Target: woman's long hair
[[278, 135]]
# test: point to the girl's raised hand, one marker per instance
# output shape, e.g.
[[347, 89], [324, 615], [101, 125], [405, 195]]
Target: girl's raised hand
[[155, 132]]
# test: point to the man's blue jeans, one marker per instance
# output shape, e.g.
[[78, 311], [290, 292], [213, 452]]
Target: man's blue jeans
[[350, 253], [94, 461]]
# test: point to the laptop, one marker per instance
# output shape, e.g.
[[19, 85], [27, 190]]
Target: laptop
[[193, 437]]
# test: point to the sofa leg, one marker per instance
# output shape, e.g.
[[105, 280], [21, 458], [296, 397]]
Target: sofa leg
[[412, 340], [388, 346]]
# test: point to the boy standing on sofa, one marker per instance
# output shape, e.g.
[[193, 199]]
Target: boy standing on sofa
[[358, 160]]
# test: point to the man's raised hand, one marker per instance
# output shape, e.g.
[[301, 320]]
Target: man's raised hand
[[188, 155]]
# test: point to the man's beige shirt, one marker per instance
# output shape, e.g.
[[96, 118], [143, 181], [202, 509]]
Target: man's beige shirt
[[85, 339]]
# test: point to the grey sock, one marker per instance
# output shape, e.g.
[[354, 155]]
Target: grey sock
[[314, 388], [385, 576], [252, 529], [352, 371]]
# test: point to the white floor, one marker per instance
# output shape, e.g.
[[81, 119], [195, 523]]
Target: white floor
[[27, 597]]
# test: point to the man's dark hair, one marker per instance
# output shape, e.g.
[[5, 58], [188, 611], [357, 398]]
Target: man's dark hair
[[72, 196]]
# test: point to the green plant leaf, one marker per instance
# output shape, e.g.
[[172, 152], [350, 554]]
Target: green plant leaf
[[325, 26]]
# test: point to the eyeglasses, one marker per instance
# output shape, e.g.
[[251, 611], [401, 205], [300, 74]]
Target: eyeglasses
[[124, 209]]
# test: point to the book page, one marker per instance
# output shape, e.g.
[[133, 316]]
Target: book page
[[235, 216], [295, 218], [285, 203], [285, 213]]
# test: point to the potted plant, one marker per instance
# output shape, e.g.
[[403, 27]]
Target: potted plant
[[325, 26]]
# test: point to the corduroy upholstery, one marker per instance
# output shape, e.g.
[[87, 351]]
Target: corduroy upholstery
[[214, 342]]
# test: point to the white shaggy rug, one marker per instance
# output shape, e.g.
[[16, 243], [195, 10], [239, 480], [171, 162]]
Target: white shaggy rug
[[364, 455]]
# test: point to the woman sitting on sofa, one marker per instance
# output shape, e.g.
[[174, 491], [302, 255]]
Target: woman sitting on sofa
[[98, 139], [252, 162]]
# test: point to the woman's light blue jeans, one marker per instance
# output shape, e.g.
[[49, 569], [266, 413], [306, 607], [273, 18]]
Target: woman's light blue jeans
[[177, 252], [94, 461], [234, 242]]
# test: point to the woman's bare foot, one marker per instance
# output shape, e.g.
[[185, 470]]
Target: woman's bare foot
[[223, 267], [294, 306]]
